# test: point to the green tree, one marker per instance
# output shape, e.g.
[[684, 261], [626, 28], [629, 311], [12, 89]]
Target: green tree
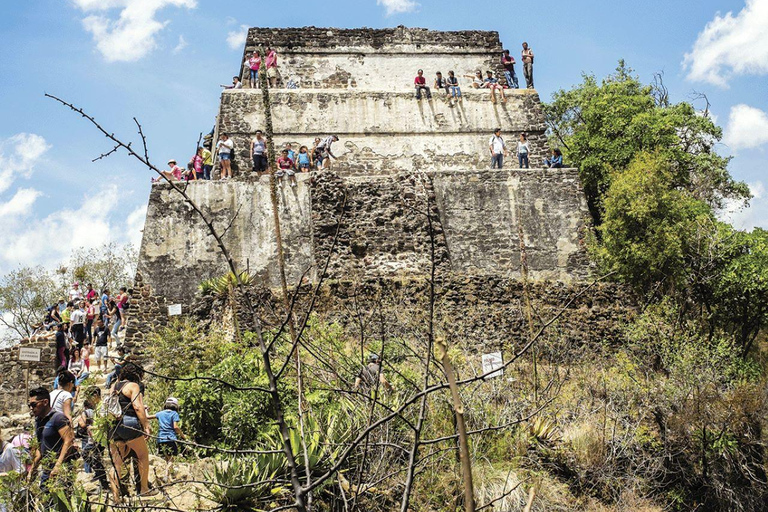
[[24, 295], [603, 126], [649, 225]]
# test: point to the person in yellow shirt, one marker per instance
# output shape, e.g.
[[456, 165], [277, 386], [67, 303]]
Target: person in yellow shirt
[[207, 157]]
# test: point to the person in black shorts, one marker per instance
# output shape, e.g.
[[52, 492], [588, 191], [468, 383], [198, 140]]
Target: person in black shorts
[[169, 432]]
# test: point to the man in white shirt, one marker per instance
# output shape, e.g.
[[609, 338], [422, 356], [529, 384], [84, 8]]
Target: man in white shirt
[[324, 148], [498, 149]]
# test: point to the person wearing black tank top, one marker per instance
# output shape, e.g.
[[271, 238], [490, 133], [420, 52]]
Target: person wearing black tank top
[[130, 434]]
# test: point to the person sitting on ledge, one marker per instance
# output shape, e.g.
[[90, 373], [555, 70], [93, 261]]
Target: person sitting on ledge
[[421, 84], [441, 83], [453, 86], [493, 84], [285, 166], [173, 175], [235, 84], [556, 161], [477, 79]]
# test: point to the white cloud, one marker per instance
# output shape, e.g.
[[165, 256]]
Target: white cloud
[[182, 44], [131, 35], [747, 127], [20, 204], [748, 217], [398, 6], [236, 38], [731, 45], [134, 225], [19, 154]]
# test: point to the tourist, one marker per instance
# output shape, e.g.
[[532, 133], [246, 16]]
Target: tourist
[[555, 161], [77, 367], [92, 450], [86, 355], [169, 432], [78, 324], [103, 306], [441, 83], [421, 85], [477, 79], [371, 374], [324, 148], [101, 347], [304, 162], [133, 428], [66, 315], [523, 148], [91, 293], [508, 63], [498, 149], [285, 166], [175, 173], [114, 316], [62, 346], [207, 157], [123, 301], [493, 84], [253, 63], [224, 147], [54, 435], [90, 316], [120, 360], [62, 399], [259, 152], [453, 85], [75, 293], [527, 55], [235, 84], [317, 157], [271, 63], [291, 152], [197, 164], [189, 173], [52, 316], [10, 460]]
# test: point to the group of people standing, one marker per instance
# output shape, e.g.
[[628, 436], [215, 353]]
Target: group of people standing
[[498, 149]]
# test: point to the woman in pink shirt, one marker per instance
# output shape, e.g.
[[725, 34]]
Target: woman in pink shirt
[[253, 63], [174, 174]]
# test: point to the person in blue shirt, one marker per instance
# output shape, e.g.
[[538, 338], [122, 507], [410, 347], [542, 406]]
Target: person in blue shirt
[[169, 432], [555, 161]]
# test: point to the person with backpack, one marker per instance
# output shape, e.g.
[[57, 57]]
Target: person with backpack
[[498, 149], [126, 405]]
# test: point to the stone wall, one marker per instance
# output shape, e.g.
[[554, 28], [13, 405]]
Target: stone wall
[[383, 232], [13, 398], [383, 132], [383, 59]]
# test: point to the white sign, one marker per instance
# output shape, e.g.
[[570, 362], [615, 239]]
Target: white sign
[[174, 310], [29, 354], [492, 363]]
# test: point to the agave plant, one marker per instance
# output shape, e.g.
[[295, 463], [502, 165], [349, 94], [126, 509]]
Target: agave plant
[[223, 284], [243, 484]]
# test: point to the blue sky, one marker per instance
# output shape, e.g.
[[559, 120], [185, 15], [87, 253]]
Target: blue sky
[[163, 60]]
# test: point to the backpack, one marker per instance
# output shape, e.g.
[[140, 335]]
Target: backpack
[[112, 404]]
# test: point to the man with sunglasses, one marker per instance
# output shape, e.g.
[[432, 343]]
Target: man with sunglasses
[[54, 435]]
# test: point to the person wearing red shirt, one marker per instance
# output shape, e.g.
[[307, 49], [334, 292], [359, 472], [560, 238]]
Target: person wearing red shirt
[[271, 62], [285, 166], [421, 85]]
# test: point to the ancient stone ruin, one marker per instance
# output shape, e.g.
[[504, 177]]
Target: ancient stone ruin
[[397, 156]]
